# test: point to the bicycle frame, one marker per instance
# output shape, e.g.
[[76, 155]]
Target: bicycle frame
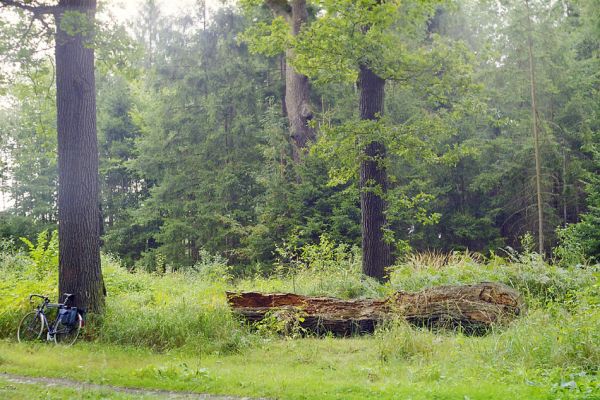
[[51, 328]]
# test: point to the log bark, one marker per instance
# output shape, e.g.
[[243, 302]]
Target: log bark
[[473, 308]]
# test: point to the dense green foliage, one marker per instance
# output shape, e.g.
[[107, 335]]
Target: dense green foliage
[[195, 154]]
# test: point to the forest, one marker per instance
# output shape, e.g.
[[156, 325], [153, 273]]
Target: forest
[[153, 160]]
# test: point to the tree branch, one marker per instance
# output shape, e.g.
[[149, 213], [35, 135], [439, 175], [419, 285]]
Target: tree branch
[[280, 8], [37, 11]]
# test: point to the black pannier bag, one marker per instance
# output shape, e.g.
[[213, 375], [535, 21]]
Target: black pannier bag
[[68, 316]]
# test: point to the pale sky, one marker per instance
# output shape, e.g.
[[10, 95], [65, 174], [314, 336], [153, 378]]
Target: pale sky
[[127, 9]]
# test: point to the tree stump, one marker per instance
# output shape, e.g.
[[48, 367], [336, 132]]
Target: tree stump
[[471, 308]]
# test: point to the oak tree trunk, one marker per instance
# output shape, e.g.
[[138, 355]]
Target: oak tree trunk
[[377, 254], [297, 87], [78, 196]]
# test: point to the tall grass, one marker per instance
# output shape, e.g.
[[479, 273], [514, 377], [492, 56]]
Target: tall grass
[[536, 279], [179, 309], [174, 310]]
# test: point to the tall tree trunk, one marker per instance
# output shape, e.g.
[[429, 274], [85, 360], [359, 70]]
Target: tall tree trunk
[[282, 72], [78, 195], [564, 187], [536, 134], [377, 254], [297, 87]]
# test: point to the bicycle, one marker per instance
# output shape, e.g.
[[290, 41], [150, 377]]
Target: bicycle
[[65, 328]]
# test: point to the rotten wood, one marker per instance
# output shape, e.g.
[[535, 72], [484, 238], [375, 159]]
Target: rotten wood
[[472, 308]]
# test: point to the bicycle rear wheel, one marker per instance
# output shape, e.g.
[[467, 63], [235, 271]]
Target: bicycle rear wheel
[[67, 334], [31, 327]]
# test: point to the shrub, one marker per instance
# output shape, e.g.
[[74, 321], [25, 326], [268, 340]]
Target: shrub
[[570, 250], [43, 254], [22, 274], [212, 268], [323, 269], [17, 226], [152, 260]]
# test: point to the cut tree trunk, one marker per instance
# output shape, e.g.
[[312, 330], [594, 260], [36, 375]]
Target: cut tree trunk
[[472, 308]]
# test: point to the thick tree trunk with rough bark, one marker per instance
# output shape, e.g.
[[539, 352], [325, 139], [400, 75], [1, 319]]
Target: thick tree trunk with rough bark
[[299, 112], [377, 254], [297, 87], [78, 197], [473, 308]]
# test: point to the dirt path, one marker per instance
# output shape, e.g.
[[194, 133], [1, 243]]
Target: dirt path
[[161, 394]]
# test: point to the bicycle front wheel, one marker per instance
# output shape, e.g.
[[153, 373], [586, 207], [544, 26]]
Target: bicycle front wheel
[[31, 327], [67, 334]]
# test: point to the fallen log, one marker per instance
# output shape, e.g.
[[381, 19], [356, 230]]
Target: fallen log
[[472, 308]]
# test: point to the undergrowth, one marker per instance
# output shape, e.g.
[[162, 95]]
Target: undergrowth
[[559, 336]]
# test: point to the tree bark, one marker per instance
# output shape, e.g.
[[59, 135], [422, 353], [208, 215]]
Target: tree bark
[[377, 255], [473, 308], [297, 87], [78, 188]]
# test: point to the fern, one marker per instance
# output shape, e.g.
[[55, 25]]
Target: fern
[[43, 254]]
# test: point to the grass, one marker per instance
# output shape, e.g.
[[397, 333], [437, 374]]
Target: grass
[[301, 369], [174, 331]]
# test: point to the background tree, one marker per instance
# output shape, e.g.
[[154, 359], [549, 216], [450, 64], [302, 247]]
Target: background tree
[[358, 38], [561, 138], [290, 16], [583, 112], [199, 132], [31, 135], [535, 130]]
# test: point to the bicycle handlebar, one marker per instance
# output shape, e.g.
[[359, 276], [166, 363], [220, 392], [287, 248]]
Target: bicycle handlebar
[[45, 298]]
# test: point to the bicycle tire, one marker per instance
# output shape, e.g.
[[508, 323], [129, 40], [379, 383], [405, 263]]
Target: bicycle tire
[[67, 334], [30, 327]]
